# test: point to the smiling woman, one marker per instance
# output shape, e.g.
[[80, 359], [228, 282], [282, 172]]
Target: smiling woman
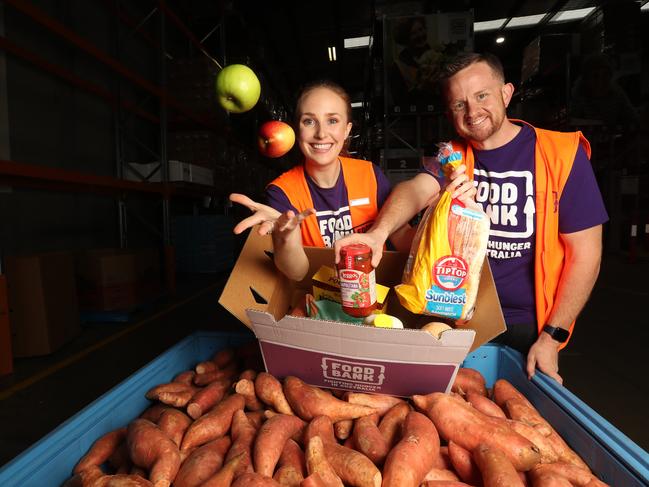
[[326, 197]]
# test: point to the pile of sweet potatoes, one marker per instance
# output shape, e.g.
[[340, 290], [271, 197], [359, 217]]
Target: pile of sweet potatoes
[[225, 424]]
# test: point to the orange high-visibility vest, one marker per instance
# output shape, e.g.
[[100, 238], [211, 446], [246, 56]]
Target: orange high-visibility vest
[[360, 181], [553, 158]]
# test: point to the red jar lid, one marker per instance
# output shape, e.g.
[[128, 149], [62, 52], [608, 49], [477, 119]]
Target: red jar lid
[[353, 250]]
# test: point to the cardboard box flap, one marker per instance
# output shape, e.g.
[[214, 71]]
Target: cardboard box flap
[[254, 281], [362, 341], [487, 311]]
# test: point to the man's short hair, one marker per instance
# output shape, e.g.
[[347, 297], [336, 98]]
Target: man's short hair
[[465, 59]]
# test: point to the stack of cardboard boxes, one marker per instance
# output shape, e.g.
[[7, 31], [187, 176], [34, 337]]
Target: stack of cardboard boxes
[[47, 290]]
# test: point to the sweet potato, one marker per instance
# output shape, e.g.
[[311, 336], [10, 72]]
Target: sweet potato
[[249, 374], [317, 463], [548, 479], [458, 421], [548, 455], [101, 450], [224, 357], [381, 402], [320, 426], [203, 463], [440, 474], [176, 394], [566, 454], [463, 464], [412, 458], [206, 398], [368, 440], [269, 391], [576, 475], [315, 480], [254, 480], [122, 480], [352, 467], [225, 476], [390, 424], [521, 410], [120, 461], [154, 412], [256, 418], [443, 483], [186, 377], [243, 434], [442, 461], [484, 405], [174, 423], [206, 366], [270, 441], [84, 478], [308, 402], [469, 380], [293, 456], [342, 429], [496, 469], [227, 372], [213, 424], [246, 388], [151, 449], [288, 476], [504, 390]]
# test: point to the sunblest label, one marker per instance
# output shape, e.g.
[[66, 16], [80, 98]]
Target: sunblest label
[[446, 297]]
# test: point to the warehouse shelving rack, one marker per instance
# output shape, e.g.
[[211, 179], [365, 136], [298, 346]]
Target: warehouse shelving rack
[[34, 176]]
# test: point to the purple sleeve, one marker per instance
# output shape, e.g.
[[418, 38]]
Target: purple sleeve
[[276, 198], [581, 205], [382, 186]]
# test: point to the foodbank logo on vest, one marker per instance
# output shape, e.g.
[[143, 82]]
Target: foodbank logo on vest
[[446, 297]]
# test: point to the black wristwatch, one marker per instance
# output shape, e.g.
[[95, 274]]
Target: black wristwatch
[[559, 334]]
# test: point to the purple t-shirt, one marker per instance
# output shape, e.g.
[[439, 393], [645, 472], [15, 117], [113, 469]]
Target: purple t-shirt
[[331, 205], [504, 178]]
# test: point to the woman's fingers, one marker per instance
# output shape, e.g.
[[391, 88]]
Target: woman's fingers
[[251, 221], [242, 199], [289, 220]]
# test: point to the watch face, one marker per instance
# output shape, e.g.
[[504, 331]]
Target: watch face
[[559, 334]]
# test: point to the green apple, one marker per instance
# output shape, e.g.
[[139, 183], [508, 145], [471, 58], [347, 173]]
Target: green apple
[[237, 88]]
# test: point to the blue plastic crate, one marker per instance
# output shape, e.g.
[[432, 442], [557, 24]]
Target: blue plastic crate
[[50, 461], [612, 456]]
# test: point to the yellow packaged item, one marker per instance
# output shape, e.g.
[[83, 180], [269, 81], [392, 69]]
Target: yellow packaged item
[[326, 286], [443, 269]]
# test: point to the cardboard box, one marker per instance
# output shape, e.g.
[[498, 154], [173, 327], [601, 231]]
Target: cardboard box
[[44, 311], [117, 279], [342, 355]]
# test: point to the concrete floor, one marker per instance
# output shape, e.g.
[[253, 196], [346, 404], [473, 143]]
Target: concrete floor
[[605, 364]]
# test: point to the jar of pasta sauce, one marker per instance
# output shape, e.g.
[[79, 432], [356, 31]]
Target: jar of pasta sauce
[[357, 280]]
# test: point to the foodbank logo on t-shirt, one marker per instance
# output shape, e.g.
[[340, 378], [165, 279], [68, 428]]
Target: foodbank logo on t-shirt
[[450, 272]]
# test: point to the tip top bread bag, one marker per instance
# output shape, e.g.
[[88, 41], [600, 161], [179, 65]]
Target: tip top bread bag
[[443, 269]]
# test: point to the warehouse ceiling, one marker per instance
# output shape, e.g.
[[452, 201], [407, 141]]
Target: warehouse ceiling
[[287, 41], [294, 36]]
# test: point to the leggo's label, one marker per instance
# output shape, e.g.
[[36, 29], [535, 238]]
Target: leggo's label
[[357, 288]]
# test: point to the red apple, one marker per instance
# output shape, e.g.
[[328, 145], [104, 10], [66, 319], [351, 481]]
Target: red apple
[[275, 138]]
